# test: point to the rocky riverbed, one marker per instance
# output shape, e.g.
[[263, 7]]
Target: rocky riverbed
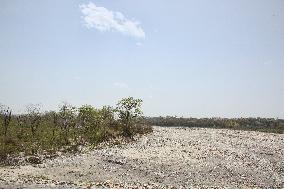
[[167, 158]]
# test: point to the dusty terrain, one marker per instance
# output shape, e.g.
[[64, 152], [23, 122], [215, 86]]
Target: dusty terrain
[[167, 158]]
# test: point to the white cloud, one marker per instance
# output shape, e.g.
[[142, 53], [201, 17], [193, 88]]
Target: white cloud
[[121, 85], [105, 20]]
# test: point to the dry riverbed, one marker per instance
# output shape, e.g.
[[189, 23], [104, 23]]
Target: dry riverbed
[[167, 158]]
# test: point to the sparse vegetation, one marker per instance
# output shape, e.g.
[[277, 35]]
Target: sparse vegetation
[[69, 127]]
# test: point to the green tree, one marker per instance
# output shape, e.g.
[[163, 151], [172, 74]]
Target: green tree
[[129, 111], [88, 116]]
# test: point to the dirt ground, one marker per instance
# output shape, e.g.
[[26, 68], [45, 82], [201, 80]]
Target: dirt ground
[[167, 158]]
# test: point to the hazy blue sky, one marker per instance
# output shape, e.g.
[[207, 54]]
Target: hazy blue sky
[[199, 58]]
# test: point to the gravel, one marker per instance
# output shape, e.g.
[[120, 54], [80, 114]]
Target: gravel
[[172, 157]]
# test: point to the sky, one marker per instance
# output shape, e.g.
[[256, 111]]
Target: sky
[[191, 58]]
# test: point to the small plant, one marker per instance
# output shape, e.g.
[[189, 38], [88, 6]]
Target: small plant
[[6, 114]]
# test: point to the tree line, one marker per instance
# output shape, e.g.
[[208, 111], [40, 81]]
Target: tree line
[[256, 124]]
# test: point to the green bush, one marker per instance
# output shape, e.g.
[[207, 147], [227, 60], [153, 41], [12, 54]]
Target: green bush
[[36, 131]]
